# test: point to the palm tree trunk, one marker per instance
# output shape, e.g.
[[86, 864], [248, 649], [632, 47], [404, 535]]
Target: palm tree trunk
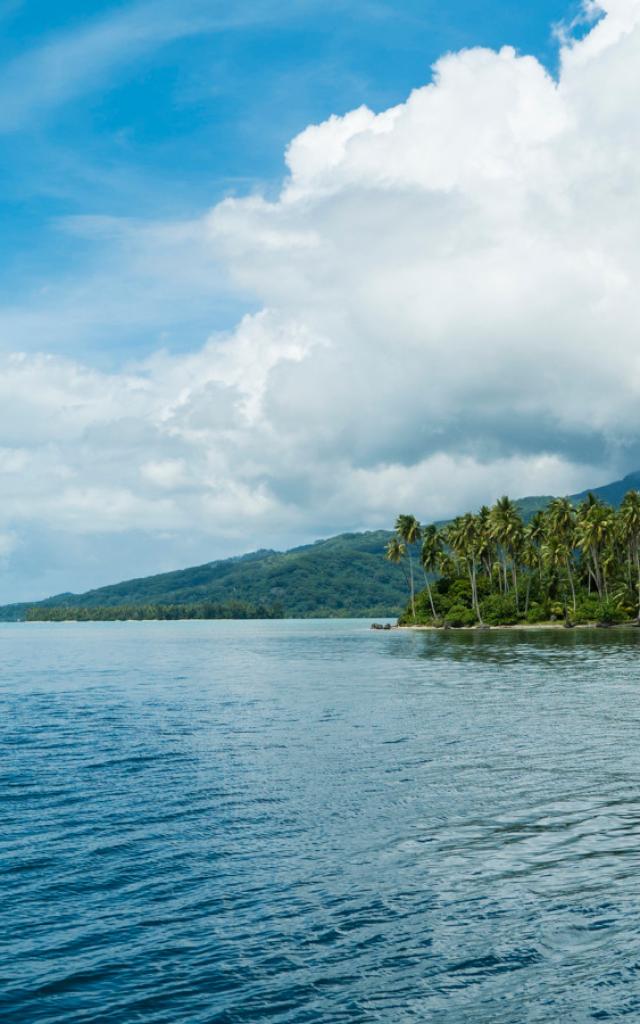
[[638, 573], [428, 586], [411, 585], [596, 572], [526, 599], [573, 589], [474, 591], [515, 584]]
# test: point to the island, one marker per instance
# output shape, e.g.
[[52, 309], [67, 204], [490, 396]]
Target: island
[[565, 565]]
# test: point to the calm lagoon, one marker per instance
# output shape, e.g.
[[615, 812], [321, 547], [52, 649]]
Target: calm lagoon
[[313, 822]]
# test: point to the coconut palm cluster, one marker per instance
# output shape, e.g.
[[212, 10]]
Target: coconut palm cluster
[[578, 563]]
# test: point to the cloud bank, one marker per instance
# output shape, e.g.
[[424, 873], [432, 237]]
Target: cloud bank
[[449, 309]]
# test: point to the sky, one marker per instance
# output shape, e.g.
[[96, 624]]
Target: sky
[[276, 270]]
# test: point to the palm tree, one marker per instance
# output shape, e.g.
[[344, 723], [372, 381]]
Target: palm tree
[[395, 552], [430, 558], [409, 532], [630, 527], [507, 530], [473, 542], [447, 564], [594, 531], [464, 536], [535, 534], [554, 554], [486, 547], [530, 557], [561, 518]]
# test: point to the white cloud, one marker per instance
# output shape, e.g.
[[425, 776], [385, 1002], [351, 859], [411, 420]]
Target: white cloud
[[165, 473], [450, 310]]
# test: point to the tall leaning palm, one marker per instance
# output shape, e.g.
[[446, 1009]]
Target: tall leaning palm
[[562, 525], [395, 552], [507, 530], [554, 554], [463, 537], [409, 532], [486, 547], [430, 558], [536, 533], [630, 526], [594, 532], [472, 542], [531, 558]]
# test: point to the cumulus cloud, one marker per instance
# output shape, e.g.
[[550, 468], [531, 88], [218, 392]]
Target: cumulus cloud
[[449, 311]]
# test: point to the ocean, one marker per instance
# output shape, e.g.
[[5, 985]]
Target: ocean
[[309, 821]]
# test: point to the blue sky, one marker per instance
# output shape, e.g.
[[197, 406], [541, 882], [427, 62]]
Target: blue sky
[[156, 110], [265, 276]]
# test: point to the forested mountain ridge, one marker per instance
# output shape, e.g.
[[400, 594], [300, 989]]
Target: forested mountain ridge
[[612, 494], [342, 576]]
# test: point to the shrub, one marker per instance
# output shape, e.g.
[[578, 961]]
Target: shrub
[[424, 613], [442, 585], [460, 593], [447, 593], [627, 605], [587, 609], [499, 610], [610, 612], [537, 613], [458, 615]]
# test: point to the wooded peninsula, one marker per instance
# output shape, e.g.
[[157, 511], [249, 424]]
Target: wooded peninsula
[[144, 612], [567, 563]]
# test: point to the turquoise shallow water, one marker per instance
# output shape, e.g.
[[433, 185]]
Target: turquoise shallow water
[[309, 822]]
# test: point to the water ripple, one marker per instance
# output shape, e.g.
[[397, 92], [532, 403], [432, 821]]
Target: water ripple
[[217, 823]]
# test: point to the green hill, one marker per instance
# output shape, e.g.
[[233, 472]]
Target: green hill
[[343, 576]]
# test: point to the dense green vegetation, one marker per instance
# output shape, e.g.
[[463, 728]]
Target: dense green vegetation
[[344, 576], [113, 613], [577, 563]]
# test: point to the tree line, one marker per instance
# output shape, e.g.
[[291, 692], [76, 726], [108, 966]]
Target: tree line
[[581, 563], [113, 613]]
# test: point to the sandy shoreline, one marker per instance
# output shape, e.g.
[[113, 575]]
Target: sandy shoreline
[[528, 626]]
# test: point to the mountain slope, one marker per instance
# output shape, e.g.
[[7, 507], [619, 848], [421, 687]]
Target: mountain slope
[[345, 575], [611, 493]]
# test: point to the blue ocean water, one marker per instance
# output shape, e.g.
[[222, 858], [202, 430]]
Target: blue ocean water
[[309, 821]]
